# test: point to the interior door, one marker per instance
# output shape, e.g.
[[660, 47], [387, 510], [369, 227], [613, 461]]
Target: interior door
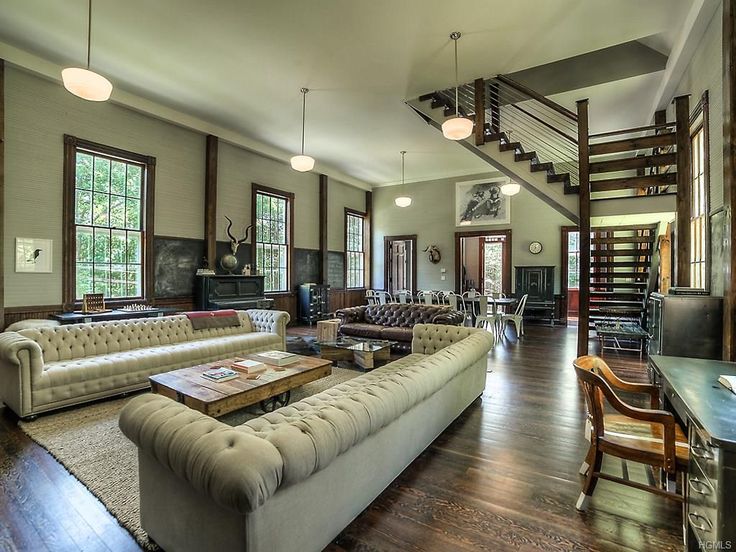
[[399, 259]]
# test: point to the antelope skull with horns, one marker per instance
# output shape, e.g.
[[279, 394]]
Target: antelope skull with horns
[[234, 242]]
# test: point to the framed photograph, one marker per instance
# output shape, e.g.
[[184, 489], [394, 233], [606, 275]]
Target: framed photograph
[[480, 202], [33, 255]]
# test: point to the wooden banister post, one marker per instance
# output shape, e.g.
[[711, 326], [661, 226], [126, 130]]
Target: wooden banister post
[[684, 185], [323, 244], [729, 179], [480, 112], [584, 212], [210, 200]]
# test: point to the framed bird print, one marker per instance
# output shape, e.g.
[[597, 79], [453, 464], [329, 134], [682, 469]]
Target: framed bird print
[[33, 255], [480, 202]]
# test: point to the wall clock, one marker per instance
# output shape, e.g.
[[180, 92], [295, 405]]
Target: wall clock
[[535, 248]]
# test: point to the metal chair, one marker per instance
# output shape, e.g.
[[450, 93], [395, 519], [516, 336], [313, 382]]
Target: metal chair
[[370, 297], [517, 319], [426, 297], [384, 297], [487, 323], [403, 296]]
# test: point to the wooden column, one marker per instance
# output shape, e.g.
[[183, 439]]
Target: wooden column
[[494, 99], [584, 210], [323, 245], [210, 200], [369, 239], [480, 112], [684, 186], [2, 193], [729, 178]]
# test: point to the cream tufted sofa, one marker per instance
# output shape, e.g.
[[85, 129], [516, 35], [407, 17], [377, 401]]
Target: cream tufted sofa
[[46, 368], [291, 480]]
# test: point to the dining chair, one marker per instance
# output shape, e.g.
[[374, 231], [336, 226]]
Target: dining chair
[[495, 313], [647, 436], [487, 323], [370, 297], [384, 297], [517, 319], [425, 296], [455, 301], [403, 296]]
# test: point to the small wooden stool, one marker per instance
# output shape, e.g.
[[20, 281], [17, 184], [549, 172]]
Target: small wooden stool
[[327, 330]]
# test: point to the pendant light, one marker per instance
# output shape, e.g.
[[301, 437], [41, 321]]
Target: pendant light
[[457, 128], [303, 163], [510, 188], [402, 201], [84, 83]]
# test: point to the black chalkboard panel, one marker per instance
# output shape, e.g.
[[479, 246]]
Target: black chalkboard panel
[[306, 266], [336, 269], [175, 262]]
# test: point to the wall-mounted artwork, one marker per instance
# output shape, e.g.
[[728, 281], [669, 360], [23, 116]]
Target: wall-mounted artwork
[[33, 255], [480, 202]]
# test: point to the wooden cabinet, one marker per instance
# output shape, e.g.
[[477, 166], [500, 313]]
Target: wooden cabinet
[[538, 282]]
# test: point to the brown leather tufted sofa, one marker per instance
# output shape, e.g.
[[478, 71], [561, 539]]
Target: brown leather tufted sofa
[[394, 321]]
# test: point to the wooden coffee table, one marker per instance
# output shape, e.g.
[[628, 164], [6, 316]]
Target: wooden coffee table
[[271, 388]]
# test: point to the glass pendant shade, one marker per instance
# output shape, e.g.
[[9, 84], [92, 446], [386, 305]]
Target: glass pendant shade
[[457, 128], [402, 201], [510, 188], [86, 84], [302, 163]]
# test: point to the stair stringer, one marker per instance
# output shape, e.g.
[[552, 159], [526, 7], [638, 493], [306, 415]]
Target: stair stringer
[[518, 171]]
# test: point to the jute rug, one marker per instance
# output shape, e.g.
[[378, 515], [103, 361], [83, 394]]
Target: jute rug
[[88, 443]]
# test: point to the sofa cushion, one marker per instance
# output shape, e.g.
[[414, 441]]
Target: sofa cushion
[[360, 329], [403, 315], [396, 334]]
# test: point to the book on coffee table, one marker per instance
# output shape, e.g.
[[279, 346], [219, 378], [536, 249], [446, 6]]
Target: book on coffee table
[[729, 382], [220, 374], [249, 366], [275, 358]]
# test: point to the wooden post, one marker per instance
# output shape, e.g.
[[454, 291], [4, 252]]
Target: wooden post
[[684, 186], [323, 245], [480, 112], [210, 200], [584, 211], [494, 100], [369, 239], [729, 178]]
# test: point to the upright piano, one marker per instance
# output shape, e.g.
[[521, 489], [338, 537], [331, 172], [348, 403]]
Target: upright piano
[[231, 291]]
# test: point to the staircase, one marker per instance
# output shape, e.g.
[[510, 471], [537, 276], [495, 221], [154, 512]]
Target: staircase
[[621, 261]]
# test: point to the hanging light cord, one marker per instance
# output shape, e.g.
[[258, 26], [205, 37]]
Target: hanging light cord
[[304, 114], [402, 169], [457, 106], [89, 29]]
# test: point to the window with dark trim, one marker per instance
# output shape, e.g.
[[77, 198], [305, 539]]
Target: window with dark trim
[[273, 216], [354, 249], [699, 198], [108, 207]]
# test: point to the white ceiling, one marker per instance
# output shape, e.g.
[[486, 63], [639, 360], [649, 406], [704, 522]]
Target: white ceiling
[[239, 64]]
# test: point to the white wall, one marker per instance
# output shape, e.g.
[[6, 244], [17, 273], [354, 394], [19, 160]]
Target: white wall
[[431, 216], [339, 196]]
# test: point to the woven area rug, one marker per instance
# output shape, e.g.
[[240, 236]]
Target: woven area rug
[[88, 443]]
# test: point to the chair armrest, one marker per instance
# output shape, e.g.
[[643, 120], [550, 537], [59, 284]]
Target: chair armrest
[[11, 343], [451, 318], [605, 371], [21, 362], [351, 314], [237, 470], [270, 321]]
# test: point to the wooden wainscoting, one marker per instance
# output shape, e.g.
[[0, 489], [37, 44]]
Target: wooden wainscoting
[[36, 312], [285, 302], [344, 298]]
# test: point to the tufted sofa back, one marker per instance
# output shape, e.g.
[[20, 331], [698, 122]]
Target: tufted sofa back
[[427, 339], [99, 338], [403, 315]]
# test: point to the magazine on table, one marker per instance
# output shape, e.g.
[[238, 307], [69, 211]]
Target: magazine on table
[[220, 374]]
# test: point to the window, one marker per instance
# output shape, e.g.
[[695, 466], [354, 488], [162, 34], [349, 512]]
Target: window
[[108, 197], [573, 260], [493, 269], [699, 196], [273, 219], [354, 249]]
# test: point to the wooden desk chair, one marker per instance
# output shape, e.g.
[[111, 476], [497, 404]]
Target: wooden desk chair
[[647, 436]]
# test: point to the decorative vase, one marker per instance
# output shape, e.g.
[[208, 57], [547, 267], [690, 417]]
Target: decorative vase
[[229, 262]]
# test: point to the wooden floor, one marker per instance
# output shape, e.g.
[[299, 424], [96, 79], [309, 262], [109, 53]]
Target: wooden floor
[[502, 477]]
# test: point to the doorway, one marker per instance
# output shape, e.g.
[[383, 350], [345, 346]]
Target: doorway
[[400, 263], [570, 278], [483, 261]]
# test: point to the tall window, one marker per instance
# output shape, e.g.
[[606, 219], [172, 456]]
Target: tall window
[[354, 249], [493, 256], [573, 260], [699, 196], [107, 191], [273, 219]]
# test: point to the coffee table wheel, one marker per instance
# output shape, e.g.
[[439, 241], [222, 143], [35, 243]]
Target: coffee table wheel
[[269, 405]]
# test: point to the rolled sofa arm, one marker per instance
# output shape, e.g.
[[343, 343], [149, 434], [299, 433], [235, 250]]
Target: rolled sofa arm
[[21, 360], [430, 338], [271, 321], [236, 470], [450, 317], [351, 314]]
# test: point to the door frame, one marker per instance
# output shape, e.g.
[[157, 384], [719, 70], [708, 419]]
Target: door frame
[[386, 255], [506, 276]]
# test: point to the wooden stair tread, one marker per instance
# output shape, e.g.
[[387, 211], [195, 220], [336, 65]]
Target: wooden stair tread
[[558, 177], [509, 146], [615, 275], [620, 264], [625, 227], [642, 162], [634, 252], [526, 156], [630, 182], [546, 166], [621, 239], [634, 144]]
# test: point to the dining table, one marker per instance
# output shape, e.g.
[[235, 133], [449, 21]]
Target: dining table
[[471, 305]]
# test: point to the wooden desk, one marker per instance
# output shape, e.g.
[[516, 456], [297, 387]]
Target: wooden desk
[[690, 387]]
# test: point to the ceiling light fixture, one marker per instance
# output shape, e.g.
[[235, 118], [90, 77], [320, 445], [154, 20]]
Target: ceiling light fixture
[[402, 201], [84, 83], [457, 128], [510, 188], [303, 163]]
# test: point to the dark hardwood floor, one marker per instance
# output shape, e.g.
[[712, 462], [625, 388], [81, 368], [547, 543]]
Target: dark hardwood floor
[[502, 477]]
